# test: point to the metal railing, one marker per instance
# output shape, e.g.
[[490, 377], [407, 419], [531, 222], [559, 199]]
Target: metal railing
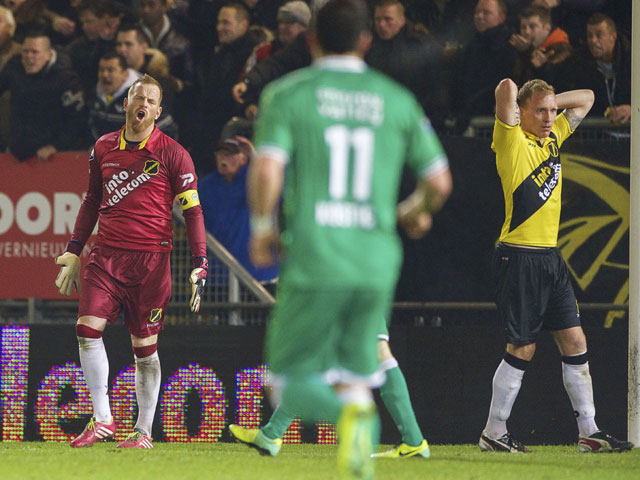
[[232, 296], [590, 129]]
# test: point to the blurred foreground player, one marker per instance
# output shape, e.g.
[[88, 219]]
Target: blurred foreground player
[[135, 174], [395, 396], [343, 133]]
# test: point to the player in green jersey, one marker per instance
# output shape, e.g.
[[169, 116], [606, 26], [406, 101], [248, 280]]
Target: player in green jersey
[[343, 132], [395, 396]]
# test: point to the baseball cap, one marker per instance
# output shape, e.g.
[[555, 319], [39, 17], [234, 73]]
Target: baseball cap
[[296, 11], [230, 145]]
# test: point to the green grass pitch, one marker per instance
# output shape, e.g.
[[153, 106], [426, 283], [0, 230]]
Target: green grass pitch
[[52, 461]]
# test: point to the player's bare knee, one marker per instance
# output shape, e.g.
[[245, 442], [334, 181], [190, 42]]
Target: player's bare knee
[[144, 346], [145, 351], [571, 341], [523, 352], [93, 322], [89, 331]]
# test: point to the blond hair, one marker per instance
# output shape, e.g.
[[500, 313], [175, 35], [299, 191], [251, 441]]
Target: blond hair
[[533, 86], [146, 80]]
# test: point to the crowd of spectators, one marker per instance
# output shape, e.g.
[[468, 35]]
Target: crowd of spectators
[[65, 64]]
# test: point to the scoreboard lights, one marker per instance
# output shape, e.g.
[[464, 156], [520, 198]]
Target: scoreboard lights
[[51, 411]]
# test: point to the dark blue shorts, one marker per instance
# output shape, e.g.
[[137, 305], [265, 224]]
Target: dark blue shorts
[[533, 292], [139, 283]]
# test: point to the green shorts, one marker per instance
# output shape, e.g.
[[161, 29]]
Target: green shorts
[[327, 331]]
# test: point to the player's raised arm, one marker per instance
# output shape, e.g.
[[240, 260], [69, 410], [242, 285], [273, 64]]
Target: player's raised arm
[[506, 102], [577, 104]]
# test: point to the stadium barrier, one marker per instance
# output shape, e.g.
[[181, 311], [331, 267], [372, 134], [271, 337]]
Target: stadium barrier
[[214, 376], [448, 348]]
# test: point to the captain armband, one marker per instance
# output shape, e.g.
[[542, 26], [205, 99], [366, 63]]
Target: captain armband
[[188, 199]]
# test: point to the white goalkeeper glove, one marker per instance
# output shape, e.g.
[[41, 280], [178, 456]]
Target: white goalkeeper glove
[[198, 278], [69, 273]]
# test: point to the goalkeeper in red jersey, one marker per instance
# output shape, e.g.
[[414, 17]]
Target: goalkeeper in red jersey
[[135, 174]]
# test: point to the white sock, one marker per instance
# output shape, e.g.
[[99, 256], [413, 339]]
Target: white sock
[[506, 385], [95, 366], [577, 383], [147, 389]]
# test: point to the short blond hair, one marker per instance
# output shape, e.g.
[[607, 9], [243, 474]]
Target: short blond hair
[[146, 80], [533, 86], [8, 15]]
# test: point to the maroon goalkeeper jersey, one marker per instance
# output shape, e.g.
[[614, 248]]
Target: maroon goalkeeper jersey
[[131, 193]]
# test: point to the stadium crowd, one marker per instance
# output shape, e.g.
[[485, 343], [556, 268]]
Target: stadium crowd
[[66, 64]]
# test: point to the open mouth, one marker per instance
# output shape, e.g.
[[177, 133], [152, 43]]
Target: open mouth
[[140, 115]]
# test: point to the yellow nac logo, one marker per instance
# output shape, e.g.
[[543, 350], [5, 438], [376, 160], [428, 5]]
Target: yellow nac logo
[[553, 149], [601, 232], [156, 314], [151, 167]]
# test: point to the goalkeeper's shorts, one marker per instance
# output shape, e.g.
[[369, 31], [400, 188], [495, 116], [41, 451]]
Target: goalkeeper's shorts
[[139, 283]]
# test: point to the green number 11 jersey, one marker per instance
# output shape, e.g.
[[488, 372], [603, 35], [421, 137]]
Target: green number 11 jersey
[[345, 132]]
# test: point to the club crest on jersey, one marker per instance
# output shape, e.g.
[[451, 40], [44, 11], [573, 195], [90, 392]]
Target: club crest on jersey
[[151, 167], [156, 314]]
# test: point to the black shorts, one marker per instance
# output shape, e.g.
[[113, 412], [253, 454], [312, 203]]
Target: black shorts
[[533, 291]]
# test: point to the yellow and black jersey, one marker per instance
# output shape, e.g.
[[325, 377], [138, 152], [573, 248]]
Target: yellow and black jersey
[[531, 181]]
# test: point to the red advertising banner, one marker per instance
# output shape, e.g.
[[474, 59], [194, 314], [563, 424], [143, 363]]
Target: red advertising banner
[[39, 202]]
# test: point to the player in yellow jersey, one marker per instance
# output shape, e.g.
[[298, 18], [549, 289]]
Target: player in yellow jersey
[[533, 288]]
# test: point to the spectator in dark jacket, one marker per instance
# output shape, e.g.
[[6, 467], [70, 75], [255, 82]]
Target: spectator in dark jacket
[[409, 56], [99, 20], [162, 34], [480, 66], [540, 46], [9, 48], [293, 19], [34, 14], [47, 101], [218, 76], [293, 56], [605, 68], [106, 108]]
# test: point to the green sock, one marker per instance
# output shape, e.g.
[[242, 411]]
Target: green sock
[[311, 399], [278, 423], [395, 396]]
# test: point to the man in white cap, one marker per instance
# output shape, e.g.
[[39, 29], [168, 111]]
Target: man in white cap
[[293, 19]]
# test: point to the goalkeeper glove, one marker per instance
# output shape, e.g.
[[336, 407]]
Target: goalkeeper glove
[[197, 279], [69, 273]]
